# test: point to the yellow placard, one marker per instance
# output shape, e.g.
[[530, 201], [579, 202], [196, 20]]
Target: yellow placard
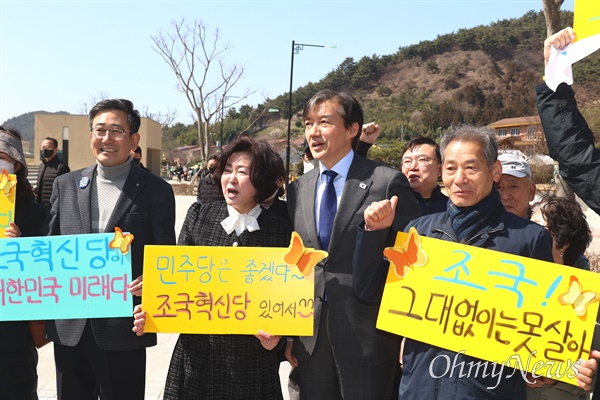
[[227, 290], [587, 18], [528, 314], [8, 189]]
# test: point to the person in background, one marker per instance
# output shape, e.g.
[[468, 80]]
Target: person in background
[[216, 367], [208, 189], [571, 236], [179, 172], [347, 357], [101, 356], [369, 133], [51, 167], [422, 165], [308, 161], [274, 202], [516, 185], [136, 154], [18, 354]]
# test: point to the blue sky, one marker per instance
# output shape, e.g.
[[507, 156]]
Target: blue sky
[[57, 55]]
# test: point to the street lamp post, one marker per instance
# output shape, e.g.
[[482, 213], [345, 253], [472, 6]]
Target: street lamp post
[[296, 47], [223, 119]]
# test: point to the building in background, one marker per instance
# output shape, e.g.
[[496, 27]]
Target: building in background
[[72, 133], [523, 133]]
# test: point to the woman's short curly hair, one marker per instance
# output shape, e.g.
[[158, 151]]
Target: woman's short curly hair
[[567, 224], [266, 168]]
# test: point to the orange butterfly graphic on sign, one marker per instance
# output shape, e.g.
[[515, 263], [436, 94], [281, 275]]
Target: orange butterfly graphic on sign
[[578, 298], [121, 241], [7, 184], [409, 254], [304, 258]]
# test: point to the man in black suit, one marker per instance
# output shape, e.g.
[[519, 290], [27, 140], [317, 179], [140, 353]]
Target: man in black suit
[[347, 357], [102, 356]]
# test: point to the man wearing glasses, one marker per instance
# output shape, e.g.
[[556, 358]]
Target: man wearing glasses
[[421, 163], [102, 356]]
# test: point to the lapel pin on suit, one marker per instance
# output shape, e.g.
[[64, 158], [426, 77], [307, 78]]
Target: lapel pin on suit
[[84, 182], [362, 185]]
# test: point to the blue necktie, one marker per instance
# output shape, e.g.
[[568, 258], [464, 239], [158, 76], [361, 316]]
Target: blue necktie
[[327, 209]]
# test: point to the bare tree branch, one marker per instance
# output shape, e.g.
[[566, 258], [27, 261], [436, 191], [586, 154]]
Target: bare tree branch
[[192, 54], [92, 100], [552, 15], [165, 119]]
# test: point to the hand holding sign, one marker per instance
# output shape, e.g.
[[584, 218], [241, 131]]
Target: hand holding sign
[[139, 320], [12, 231], [586, 371], [268, 341]]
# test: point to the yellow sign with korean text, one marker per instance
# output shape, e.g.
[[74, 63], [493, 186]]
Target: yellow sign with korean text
[[8, 189], [524, 313], [230, 290], [586, 21]]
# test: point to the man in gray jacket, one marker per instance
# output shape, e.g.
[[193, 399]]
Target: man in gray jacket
[[102, 356]]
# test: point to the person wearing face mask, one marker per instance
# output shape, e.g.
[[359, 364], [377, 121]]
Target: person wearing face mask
[[51, 167], [18, 354], [136, 158], [208, 189]]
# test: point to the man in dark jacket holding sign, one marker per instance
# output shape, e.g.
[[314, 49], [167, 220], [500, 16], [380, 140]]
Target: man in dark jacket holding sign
[[476, 217]]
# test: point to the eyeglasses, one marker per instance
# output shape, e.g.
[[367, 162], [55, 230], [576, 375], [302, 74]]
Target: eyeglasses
[[115, 133], [422, 161]]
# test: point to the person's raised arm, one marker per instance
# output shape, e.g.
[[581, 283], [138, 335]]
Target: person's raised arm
[[569, 138], [559, 41], [369, 133]]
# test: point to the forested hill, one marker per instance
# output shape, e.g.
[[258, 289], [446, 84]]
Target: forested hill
[[24, 123], [476, 75]]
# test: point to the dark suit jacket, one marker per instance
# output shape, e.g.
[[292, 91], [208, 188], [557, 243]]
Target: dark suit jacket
[[351, 322], [145, 208], [279, 207]]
